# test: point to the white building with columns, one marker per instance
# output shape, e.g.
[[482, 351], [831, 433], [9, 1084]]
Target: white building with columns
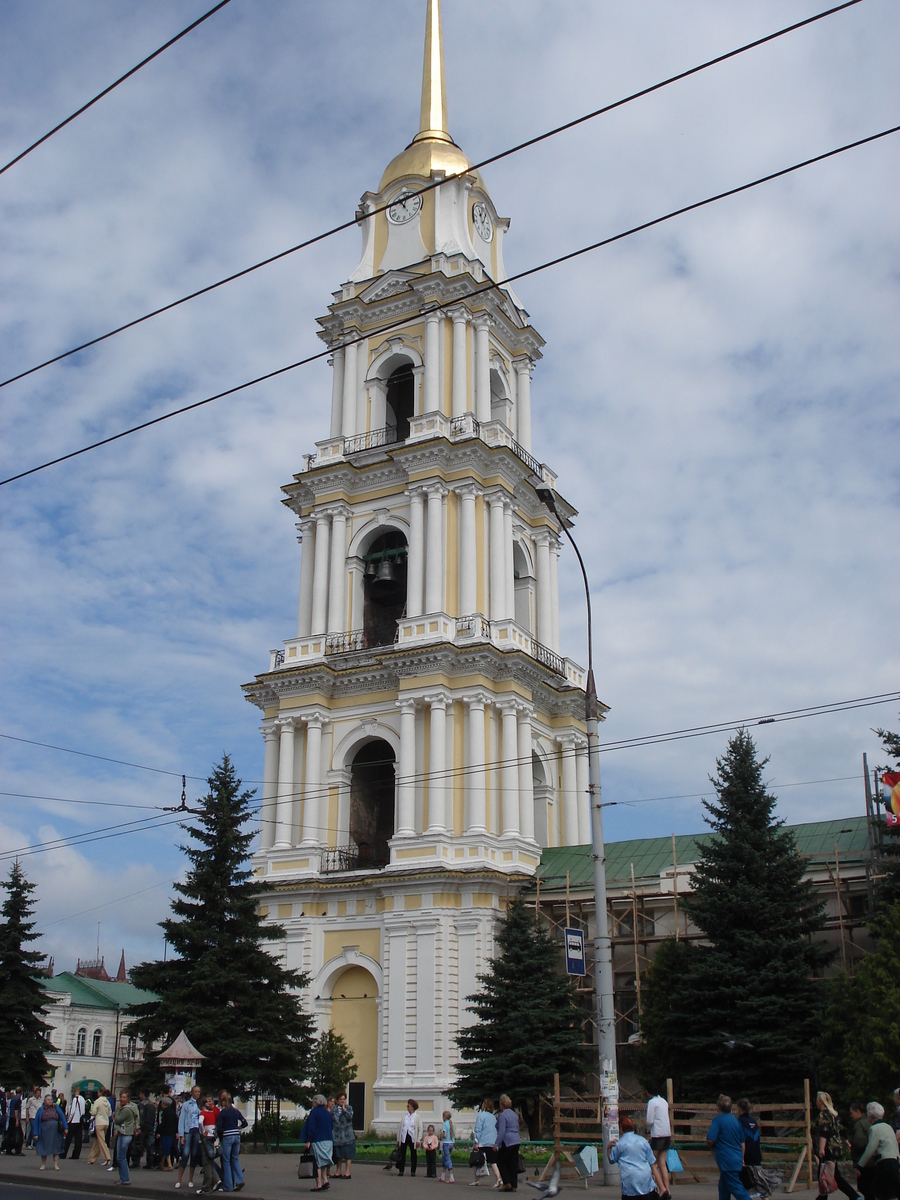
[[424, 735]]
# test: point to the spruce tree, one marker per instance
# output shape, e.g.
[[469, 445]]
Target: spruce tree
[[528, 1026], [23, 1035], [888, 886], [859, 1042], [332, 1064], [741, 1015], [233, 998]]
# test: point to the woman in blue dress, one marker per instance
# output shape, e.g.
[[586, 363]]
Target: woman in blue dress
[[49, 1132]]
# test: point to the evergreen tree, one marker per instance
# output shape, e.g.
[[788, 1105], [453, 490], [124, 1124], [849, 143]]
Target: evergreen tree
[[528, 1027], [23, 1035], [231, 996], [859, 1043], [741, 1015], [888, 887], [332, 1064]]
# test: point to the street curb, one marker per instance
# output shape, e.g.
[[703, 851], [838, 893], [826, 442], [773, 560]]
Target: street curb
[[103, 1187]]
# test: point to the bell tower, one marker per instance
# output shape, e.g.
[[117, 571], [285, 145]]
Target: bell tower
[[424, 735]]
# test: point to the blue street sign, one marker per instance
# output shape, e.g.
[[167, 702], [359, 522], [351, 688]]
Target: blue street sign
[[575, 951]]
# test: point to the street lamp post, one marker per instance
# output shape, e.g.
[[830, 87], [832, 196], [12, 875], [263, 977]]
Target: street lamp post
[[603, 975]]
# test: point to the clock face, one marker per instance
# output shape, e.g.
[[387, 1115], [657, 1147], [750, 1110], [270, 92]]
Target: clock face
[[404, 208], [483, 223]]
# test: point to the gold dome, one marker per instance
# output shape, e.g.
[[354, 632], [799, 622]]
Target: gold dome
[[420, 158], [432, 149]]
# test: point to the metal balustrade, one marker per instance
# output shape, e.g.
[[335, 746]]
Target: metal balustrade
[[344, 858], [387, 436], [345, 643]]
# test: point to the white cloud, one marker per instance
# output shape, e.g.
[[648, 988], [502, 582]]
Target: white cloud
[[718, 395]]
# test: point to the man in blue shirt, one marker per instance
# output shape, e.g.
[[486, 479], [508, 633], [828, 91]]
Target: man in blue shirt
[[635, 1159], [726, 1137]]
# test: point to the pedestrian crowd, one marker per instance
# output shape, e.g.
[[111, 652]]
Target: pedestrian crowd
[[864, 1166], [194, 1132]]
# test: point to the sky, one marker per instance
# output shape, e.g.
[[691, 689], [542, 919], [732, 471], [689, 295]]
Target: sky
[[718, 395]]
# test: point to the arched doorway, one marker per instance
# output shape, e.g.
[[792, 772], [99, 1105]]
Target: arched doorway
[[384, 587], [400, 401], [354, 1015], [372, 787]]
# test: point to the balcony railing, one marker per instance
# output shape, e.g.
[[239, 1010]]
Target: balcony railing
[[345, 858], [473, 626], [547, 657], [345, 643], [372, 440]]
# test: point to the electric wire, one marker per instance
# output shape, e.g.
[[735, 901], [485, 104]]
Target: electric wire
[[78, 800], [532, 141], [150, 57], [10, 737], [107, 903], [437, 306], [257, 810]]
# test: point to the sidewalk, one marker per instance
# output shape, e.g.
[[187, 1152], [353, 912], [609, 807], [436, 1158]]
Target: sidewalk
[[274, 1177]]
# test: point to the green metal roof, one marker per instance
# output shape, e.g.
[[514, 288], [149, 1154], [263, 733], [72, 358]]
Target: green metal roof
[[650, 856], [98, 993]]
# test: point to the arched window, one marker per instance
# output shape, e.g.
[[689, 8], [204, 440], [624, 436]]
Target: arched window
[[81, 1041], [96, 1043], [372, 803], [400, 401], [384, 588]]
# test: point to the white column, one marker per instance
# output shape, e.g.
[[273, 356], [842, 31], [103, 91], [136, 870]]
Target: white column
[[269, 730], [526, 778], [460, 371], [337, 587], [433, 322], [584, 798], [482, 370], [498, 559], [348, 400], [396, 1010], [467, 930], [415, 574], [434, 550], [544, 613], [406, 783], [320, 574], [307, 561], [475, 820], [509, 565], [569, 797], [337, 390], [554, 594], [426, 936], [468, 568], [523, 398], [313, 799], [509, 753], [440, 794], [285, 801]]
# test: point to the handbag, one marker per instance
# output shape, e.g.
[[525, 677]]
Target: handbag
[[477, 1157], [673, 1162], [395, 1156], [306, 1168], [827, 1181], [520, 1165]]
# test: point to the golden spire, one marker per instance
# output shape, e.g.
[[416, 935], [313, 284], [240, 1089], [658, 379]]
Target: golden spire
[[433, 124]]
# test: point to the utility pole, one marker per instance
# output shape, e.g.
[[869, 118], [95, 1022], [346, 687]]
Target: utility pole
[[603, 974]]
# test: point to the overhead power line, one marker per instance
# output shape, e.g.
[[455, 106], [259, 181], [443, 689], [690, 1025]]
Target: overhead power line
[[164, 819], [11, 737], [150, 57], [490, 286], [532, 141]]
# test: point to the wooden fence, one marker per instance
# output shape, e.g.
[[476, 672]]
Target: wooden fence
[[785, 1132]]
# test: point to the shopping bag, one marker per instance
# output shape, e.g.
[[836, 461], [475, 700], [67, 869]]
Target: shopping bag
[[306, 1168], [673, 1162], [827, 1181]]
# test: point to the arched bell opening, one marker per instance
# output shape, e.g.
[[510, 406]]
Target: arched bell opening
[[525, 590], [400, 401], [501, 404], [384, 587], [543, 801], [372, 789]]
